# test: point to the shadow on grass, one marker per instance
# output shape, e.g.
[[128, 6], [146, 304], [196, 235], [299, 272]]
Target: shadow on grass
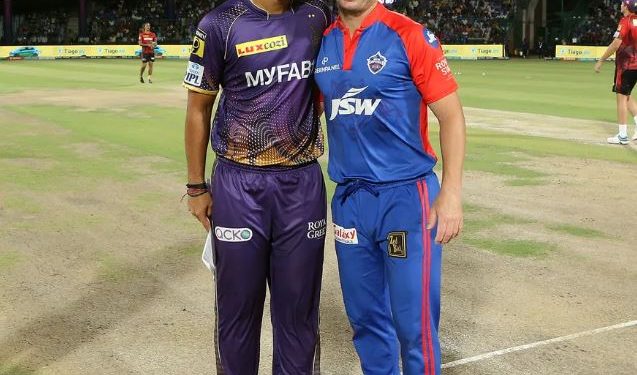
[[118, 292]]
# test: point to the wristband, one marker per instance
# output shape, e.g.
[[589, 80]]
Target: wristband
[[193, 192], [202, 185]]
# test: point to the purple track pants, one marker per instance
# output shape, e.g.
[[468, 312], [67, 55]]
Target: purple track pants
[[269, 228]]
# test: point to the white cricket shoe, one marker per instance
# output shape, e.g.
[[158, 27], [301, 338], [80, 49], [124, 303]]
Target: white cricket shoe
[[617, 140], [634, 138]]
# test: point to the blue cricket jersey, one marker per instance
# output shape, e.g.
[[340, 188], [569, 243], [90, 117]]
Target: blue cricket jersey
[[376, 85]]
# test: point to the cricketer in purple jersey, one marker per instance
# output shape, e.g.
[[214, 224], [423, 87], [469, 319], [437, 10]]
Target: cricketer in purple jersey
[[260, 59], [269, 214]]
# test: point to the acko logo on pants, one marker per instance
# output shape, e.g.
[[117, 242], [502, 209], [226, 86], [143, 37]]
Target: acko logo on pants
[[233, 234]]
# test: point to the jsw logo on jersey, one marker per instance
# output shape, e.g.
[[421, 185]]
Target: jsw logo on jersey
[[349, 105], [280, 73]]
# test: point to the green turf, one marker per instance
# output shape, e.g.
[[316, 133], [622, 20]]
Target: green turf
[[566, 89], [14, 370], [517, 248], [118, 139], [112, 268], [577, 231], [191, 250], [125, 129], [505, 154], [480, 222], [8, 259], [547, 147], [478, 219], [22, 203], [39, 144], [86, 74]]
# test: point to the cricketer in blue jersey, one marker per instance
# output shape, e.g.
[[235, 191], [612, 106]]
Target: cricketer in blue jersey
[[379, 72]]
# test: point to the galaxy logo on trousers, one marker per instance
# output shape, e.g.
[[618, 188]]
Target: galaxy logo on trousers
[[233, 234], [316, 229], [376, 63], [347, 236]]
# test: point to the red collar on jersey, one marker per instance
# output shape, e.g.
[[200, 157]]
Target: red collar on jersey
[[377, 13]]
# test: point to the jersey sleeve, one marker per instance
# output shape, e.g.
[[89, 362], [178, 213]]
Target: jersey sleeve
[[429, 69], [206, 65], [623, 28], [139, 39]]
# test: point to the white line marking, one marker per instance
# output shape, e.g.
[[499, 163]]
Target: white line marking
[[536, 344]]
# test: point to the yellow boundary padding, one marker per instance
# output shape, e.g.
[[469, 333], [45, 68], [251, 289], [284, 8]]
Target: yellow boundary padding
[[582, 53], [65, 52], [465, 52], [473, 51]]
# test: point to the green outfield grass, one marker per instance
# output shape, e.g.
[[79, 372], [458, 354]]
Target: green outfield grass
[[153, 130], [568, 89], [559, 88]]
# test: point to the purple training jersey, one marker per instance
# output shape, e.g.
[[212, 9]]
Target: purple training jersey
[[264, 63]]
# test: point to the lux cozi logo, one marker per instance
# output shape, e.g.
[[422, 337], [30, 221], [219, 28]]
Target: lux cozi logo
[[262, 45]]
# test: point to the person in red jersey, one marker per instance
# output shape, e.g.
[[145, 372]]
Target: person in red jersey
[[625, 46], [148, 41]]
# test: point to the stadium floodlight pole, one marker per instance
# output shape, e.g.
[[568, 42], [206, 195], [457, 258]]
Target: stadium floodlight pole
[[83, 23], [562, 18], [8, 34]]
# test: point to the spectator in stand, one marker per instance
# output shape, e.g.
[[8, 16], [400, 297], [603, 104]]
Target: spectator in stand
[[598, 26], [468, 21], [116, 21], [42, 28]]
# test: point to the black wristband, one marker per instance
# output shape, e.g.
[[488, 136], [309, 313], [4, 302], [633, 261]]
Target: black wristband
[[196, 194], [202, 185]]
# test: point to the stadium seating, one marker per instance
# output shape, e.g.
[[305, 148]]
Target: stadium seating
[[113, 22], [462, 21], [118, 21], [598, 26], [42, 28], [454, 21]]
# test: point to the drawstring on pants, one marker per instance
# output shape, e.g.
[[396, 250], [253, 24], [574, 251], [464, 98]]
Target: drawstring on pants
[[355, 185]]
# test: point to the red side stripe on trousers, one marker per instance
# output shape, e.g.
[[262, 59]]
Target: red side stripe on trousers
[[427, 344]]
